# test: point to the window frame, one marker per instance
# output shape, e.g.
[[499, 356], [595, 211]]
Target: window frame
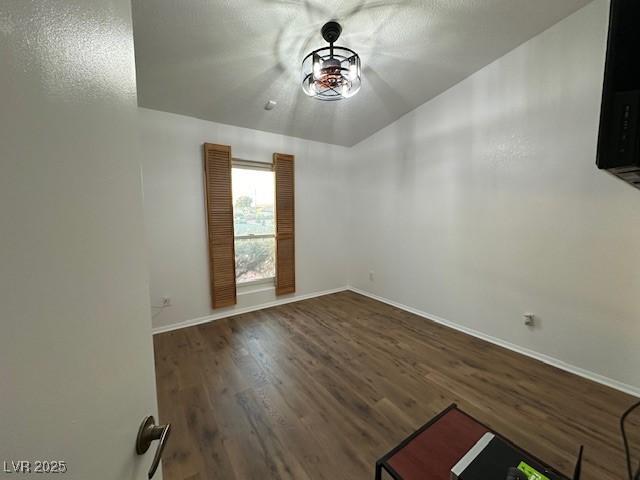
[[259, 166]]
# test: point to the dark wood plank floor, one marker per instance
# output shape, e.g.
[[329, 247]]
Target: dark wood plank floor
[[320, 389]]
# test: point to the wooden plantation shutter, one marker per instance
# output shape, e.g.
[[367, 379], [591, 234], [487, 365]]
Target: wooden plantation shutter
[[285, 224], [222, 259]]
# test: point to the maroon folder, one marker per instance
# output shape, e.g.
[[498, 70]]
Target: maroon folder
[[434, 449], [431, 452]]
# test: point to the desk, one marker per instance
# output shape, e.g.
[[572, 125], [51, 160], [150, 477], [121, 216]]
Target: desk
[[431, 451]]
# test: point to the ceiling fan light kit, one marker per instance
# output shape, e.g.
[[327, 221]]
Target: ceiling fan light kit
[[331, 73]]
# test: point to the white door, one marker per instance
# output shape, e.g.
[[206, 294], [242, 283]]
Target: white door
[[76, 358]]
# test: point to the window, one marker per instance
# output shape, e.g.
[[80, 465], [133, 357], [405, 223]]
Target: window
[[253, 190]]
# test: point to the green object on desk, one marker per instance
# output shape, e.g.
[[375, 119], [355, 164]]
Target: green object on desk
[[531, 472]]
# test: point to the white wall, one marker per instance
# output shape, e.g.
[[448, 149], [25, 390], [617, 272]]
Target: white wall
[[76, 362], [175, 216], [486, 203]]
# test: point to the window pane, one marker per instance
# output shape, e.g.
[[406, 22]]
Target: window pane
[[253, 199], [255, 259]]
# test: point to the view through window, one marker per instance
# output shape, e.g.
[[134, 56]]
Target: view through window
[[254, 223]]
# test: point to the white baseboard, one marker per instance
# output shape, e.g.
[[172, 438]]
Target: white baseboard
[[240, 311], [609, 382]]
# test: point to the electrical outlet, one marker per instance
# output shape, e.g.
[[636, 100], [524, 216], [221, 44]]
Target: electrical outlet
[[529, 319], [166, 301], [371, 276]]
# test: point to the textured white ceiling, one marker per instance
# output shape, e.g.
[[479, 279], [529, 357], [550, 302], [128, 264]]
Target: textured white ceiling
[[222, 60]]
